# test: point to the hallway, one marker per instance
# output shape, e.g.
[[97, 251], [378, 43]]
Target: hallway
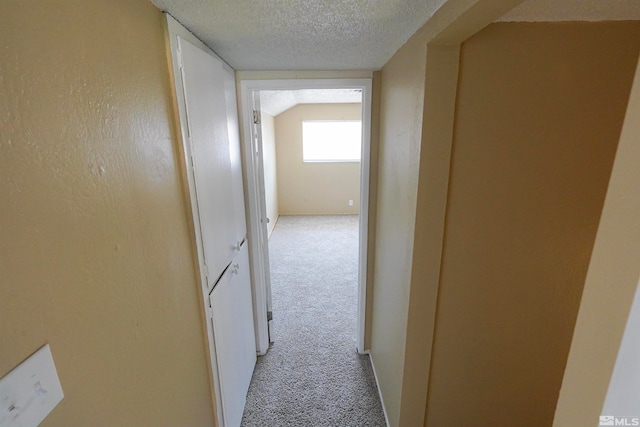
[[312, 375]]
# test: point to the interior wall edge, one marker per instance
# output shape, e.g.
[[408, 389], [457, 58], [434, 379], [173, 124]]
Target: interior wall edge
[[459, 19], [433, 185], [612, 280]]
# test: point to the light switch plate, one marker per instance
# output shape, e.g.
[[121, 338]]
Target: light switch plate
[[30, 391]]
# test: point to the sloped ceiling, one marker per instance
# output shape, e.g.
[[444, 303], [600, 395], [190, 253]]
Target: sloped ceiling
[[275, 102], [303, 34]]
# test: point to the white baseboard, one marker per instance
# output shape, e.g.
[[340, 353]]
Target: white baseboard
[[375, 375]]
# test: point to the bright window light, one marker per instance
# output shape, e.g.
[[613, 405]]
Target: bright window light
[[331, 141]]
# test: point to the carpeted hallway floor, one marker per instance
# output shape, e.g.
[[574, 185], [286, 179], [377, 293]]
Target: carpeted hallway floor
[[312, 375]]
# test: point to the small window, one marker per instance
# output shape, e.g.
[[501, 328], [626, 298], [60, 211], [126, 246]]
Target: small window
[[331, 141]]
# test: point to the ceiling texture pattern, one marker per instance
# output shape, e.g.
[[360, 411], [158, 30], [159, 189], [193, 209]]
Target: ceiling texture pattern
[[343, 34], [303, 35], [340, 34]]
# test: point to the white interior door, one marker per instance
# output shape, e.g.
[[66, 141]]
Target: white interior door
[[213, 150], [234, 153], [208, 132], [235, 345]]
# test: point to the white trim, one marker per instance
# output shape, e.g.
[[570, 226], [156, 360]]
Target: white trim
[[364, 215], [176, 32], [375, 376], [247, 89], [256, 212]]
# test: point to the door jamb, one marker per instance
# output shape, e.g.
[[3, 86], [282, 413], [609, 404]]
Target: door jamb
[[256, 215]]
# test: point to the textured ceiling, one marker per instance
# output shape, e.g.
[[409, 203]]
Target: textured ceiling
[[574, 10], [275, 102], [303, 34], [343, 34]]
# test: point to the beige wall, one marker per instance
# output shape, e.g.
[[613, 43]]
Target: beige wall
[[401, 102], [539, 113], [608, 293], [403, 304], [270, 167], [95, 250], [314, 188], [435, 156]]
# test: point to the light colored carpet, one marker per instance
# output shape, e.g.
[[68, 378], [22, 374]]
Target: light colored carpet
[[312, 375]]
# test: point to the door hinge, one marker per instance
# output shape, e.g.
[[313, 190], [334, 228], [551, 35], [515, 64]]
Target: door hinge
[[256, 117]]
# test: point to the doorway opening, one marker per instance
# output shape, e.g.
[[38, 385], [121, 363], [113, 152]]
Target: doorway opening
[[345, 102], [307, 158], [311, 142]]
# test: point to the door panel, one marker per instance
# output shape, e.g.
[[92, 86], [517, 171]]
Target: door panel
[[203, 80], [234, 153], [232, 318], [206, 90]]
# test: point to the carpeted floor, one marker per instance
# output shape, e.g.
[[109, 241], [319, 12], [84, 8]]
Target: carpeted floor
[[312, 375]]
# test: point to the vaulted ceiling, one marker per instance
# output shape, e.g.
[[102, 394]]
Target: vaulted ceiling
[[275, 102]]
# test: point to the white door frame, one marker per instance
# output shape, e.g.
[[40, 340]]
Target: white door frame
[[257, 211]]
